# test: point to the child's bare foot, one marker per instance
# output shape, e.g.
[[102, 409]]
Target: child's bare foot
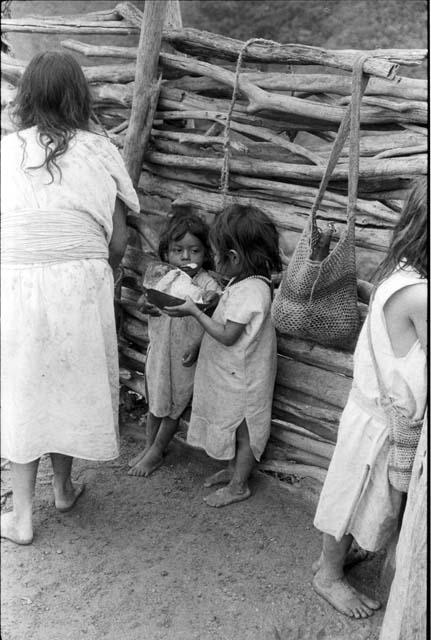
[[354, 556], [226, 495], [138, 457], [343, 597], [221, 477], [146, 465], [65, 497], [20, 533]]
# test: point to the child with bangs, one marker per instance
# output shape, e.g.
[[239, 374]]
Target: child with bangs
[[169, 377], [235, 374]]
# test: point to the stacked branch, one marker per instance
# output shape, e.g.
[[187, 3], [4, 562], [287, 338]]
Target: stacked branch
[[282, 128]]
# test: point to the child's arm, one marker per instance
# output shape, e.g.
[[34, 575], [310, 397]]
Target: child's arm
[[227, 333]]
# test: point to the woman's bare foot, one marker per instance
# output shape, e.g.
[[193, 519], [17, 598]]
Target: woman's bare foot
[[18, 532], [147, 464], [226, 495], [343, 597], [138, 457], [354, 556], [65, 497], [221, 477]]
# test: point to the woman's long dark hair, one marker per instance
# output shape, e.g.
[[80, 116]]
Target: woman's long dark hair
[[252, 235], [54, 96], [409, 246], [177, 226]]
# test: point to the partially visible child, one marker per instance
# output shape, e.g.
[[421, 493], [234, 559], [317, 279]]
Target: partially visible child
[[235, 375], [170, 383], [357, 500]]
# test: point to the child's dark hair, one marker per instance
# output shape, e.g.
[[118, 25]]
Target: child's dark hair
[[252, 234], [177, 226], [54, 96], [409, 245]]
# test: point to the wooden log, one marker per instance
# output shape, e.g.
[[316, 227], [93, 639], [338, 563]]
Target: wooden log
[[302, 431], [305, 411], [203, 107], [322, 449], [328, 386], [146, 88], [100, 51], [136, 383], [137, 357], [273, 453], [74, 25], [369, 168], [333, 204], [293, 469], [286, 217], [311, 353], [206, 44], [261, 100], [136, 331], [406, 88]]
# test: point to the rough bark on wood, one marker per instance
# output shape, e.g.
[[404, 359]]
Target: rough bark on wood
[[146, 90], [406, 610]]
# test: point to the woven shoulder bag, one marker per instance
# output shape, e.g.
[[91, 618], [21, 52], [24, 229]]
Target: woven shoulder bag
[[404, 433], [317, 300]]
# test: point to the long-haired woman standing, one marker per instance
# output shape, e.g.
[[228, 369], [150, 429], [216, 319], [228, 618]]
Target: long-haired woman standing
[[63, 198]]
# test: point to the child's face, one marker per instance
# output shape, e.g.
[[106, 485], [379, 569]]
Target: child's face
[[186, 251]]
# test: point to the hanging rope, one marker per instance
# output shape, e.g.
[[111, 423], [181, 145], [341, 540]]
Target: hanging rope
[[224, 180]]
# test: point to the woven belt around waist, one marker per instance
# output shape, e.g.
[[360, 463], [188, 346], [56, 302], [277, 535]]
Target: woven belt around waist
[[40, 236]]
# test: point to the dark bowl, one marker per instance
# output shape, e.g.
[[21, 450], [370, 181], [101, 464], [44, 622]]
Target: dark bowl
[[160, 299]]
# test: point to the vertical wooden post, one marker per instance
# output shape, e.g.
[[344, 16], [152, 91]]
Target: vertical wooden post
[[145, 85], [173, 18]]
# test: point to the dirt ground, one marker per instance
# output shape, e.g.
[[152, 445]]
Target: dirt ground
[[147, 559]]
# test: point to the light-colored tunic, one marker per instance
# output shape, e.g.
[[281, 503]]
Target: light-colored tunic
[[356, 497], [169, 383], [236, 382], [59, 364]]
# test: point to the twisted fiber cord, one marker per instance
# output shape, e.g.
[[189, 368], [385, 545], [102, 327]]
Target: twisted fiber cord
[[224, 181]]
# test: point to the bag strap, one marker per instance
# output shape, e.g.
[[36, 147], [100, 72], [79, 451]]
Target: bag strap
[[382, 388], [350, 122]]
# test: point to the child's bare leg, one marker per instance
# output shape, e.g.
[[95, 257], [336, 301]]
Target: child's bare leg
[[17, 525], [221, 477], [238, 488], [330, 582], [66, 492], [153, 457], [151, 429]]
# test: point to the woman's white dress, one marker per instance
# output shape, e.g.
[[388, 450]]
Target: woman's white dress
[[59, 360], [357, 498], [236, 382]]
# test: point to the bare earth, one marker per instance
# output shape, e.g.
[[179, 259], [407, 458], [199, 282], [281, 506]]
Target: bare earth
[[147, 559]]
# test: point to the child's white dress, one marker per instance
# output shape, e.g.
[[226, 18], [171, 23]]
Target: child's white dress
[[169, 383], [236, 382], [59, 357], [357, 498]]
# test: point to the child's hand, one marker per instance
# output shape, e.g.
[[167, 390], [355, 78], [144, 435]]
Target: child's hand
[[188, 308], [190, 357], [146, 307]]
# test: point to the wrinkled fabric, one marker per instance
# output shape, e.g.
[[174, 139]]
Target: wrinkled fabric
[[59, 365], [169, 383], [236, 382], [357, 497]]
